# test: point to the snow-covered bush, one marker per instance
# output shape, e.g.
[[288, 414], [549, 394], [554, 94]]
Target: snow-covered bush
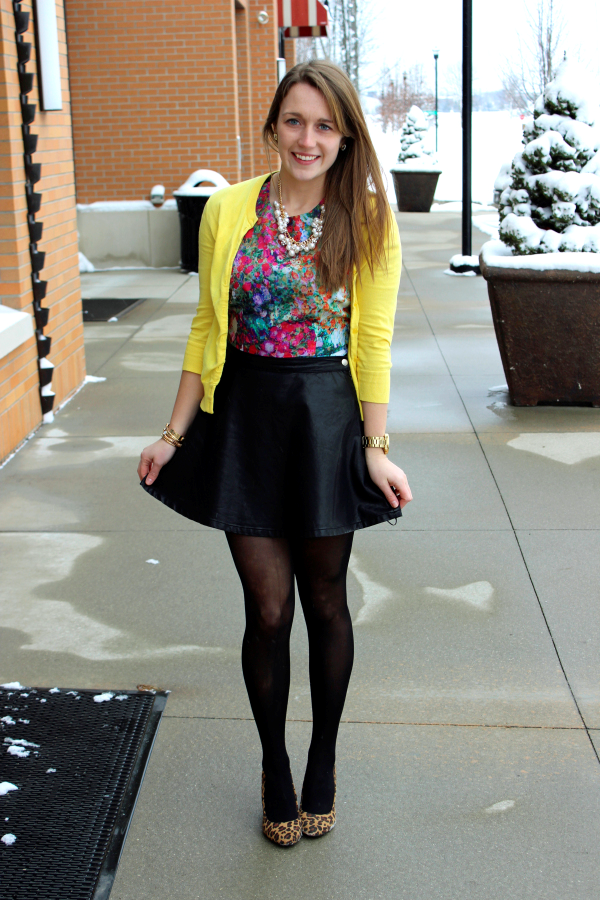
[[412, 148], [553, 200]]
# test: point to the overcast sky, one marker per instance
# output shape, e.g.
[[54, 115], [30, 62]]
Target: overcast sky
[[407, 32]]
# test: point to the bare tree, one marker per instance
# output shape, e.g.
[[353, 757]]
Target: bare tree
[[398, 92], [539, 54], [349, 41]]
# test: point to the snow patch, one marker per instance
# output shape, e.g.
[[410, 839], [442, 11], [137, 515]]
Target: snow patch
[[49, 771], [84, 263], [13, 686], [153, 562], [21, 742], [8, 839], [501, 806], [94, 379], [8, 720], [375, 595], [568, 448], [495, 253], [477, 594], [6, 787], [488, 225], [109, 695]]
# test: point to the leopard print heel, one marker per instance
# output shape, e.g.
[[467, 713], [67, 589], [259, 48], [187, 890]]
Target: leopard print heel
[[315, 825], [284, 834]]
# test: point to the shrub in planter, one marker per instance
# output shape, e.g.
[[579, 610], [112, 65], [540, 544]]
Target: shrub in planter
[[416, 175], [544, 273]]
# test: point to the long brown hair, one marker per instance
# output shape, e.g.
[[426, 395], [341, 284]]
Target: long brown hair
[[357, 218]]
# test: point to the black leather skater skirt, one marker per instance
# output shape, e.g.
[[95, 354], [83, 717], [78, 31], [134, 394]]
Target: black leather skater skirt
[[280, 456]]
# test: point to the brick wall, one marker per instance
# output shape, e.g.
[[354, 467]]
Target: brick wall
[[20, 409], [155, 94]]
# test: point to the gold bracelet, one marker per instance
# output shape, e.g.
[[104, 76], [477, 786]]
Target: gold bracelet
[[382, 442], [173, 433], [170, 439]]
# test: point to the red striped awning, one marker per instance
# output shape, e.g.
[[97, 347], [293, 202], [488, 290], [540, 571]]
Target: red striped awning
[[302, 18]]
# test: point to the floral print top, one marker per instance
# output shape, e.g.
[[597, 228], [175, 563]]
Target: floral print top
[[276, 307]]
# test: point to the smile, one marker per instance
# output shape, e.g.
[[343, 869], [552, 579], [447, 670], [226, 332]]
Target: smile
[[304, 158]]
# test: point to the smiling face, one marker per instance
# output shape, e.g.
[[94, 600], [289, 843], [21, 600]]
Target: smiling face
[[308, 140]]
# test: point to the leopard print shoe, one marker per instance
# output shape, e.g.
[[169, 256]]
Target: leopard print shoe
[[284, 834], [315, 825]]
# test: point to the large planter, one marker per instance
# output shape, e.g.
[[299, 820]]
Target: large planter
[[415, 188], [547, 323]]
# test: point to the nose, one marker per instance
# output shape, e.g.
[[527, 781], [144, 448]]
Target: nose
[[305, 139]]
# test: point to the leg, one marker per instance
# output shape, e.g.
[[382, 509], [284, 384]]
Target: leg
[[320, 566], [265, 569]]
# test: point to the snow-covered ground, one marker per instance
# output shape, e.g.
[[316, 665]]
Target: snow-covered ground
[[497, 137]]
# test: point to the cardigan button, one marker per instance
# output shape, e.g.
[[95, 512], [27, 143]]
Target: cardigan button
[[344, 362]]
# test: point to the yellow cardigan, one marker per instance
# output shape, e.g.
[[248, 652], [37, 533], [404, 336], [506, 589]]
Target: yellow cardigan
[[227, 216]]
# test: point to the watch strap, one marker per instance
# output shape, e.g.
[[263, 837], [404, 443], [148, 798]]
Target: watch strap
[[382, 442]]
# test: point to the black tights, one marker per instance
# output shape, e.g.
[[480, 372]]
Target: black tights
[[267, 567]]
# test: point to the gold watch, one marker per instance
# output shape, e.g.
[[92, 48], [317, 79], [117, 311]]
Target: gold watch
[[382, 442]]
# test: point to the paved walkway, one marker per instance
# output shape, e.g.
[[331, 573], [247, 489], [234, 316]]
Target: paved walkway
[[467, 768]]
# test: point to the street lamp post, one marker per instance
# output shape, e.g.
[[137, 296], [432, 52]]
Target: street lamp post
[[467, 103], [435, 56]]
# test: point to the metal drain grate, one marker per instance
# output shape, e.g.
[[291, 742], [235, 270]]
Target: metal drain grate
[[101, 309], [77, 759]]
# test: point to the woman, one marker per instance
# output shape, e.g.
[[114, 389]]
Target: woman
[[289, 349]]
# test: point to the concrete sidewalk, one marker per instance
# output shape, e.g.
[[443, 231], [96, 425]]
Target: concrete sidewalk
[[466, 768]]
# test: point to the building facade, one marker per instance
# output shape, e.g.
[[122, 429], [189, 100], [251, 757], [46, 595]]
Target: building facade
[[162, 89], [121, 97], [41, 331]]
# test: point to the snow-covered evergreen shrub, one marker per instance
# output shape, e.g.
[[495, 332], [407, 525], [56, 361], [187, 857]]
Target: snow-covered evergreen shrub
[[553, 200], [412, 148]]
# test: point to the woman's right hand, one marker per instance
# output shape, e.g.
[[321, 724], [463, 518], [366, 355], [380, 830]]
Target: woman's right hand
[[153, 458]]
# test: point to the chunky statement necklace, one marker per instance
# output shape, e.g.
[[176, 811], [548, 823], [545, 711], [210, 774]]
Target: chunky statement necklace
[[292, 246]]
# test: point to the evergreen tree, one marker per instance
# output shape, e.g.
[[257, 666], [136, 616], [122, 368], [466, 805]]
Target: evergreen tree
[[553, 200], [412, 148]]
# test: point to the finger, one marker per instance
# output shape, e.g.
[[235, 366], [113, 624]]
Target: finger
[[403, 493], [388, 492], [153, 475], [143, 467]]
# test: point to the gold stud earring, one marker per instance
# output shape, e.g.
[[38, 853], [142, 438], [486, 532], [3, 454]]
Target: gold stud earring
[[342, 146], [275, 136]]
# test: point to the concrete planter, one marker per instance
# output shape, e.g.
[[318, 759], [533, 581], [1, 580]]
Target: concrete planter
[[415, 188], [129, 233], [547, 324]]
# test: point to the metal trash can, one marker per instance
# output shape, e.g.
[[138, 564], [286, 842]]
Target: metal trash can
[[191, 200]]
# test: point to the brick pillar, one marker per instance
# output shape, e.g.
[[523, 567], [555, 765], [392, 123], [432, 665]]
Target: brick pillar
[[290, 53], [244, 76], [263, 55]]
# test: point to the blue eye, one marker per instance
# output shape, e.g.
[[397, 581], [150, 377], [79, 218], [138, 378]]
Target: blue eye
[[323, 125], [291, 121]]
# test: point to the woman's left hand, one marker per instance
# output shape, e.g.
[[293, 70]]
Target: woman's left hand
[[387, 476]]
